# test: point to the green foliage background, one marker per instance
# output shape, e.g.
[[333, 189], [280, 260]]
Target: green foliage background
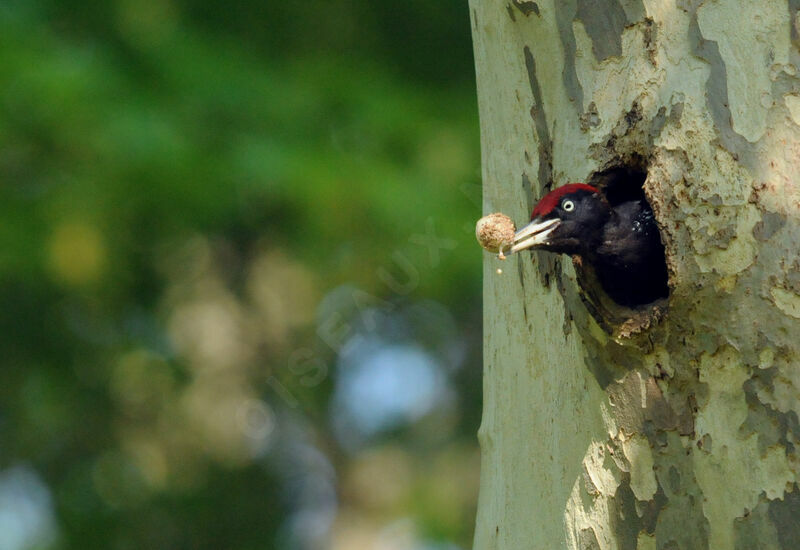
[[203, 204]]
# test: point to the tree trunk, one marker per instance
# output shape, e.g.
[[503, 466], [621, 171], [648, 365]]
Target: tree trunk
[[674, 426]]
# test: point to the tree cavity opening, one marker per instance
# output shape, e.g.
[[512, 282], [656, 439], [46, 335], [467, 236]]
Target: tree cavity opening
[[621, 185]]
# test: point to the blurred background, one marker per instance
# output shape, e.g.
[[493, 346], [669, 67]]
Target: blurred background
[[240, 289]]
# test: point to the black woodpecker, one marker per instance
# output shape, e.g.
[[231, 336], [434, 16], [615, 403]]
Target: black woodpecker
[[620, 241]]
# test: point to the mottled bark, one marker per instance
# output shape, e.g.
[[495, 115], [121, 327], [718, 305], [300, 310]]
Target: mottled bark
[[674, 427]]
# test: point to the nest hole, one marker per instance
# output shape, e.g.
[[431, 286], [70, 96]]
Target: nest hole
[[621, 184]]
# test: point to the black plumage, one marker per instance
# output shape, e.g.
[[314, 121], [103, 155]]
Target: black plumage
[[621, 242]]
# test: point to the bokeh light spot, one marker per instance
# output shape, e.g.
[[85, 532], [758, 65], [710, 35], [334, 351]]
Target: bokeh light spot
[[381, 387], [26, 510], [77, 253]]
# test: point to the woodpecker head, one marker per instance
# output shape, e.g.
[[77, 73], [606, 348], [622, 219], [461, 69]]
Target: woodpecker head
[[568, 220]]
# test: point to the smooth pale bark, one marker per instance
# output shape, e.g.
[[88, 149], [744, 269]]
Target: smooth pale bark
[[678, 429]]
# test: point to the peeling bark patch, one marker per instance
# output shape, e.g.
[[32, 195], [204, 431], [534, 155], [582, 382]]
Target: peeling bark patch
[[770, 223], [547, 264], [521, 275], [510, 11], [643, 480], [562, 289], [755, 530], [720, 238], [599, 318], [526, 8], [565, 13], [658, 123], [540, 122], [773, 427], [606, 490], [794, 6], [792, 279], [689, 6], [788, 302], [591, 118], [750, 77], [650, 510], [785, 515], [626, 519], [528, 188], [675, 114], [681, 524], [630, 142], [716, 88], [635, 10], [604, 23], [792, 102], [639, 401], [650, 36], [587, 540]]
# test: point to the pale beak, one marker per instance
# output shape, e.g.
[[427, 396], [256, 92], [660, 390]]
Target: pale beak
[[534, 234]]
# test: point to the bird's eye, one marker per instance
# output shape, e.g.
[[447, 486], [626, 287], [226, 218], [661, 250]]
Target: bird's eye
[[568, 206]]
